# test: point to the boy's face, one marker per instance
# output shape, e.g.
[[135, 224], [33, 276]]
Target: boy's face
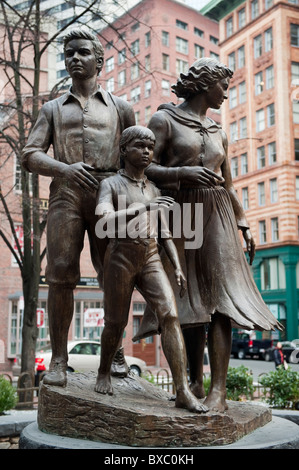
[[139, 152], [80, 59]]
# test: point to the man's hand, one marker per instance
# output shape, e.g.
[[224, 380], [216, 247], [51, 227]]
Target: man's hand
[[250, 244], [79, 174], [199, 176]]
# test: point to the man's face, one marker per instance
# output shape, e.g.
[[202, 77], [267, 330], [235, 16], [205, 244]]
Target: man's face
[[80, 59], [139, 153]]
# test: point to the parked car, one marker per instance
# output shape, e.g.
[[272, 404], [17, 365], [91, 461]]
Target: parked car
[[243, 345], [84, 356], [290, 351]]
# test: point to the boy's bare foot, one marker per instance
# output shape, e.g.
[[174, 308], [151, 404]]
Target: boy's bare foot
[[216, 401], [188, 401], [198, 390], [103, 384]]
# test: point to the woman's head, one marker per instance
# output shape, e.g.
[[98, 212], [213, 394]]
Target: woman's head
[[201, 76]]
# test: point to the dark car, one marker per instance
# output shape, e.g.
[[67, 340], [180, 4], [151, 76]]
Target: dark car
[[290, 351]]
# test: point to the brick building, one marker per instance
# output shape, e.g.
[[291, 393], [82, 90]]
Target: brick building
[[259, 40], [159, 39]]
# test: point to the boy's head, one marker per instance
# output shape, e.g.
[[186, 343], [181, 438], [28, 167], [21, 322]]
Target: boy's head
[[134, 133]]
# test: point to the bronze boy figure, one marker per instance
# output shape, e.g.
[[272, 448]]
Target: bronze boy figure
[[135, 262], [83, 126]]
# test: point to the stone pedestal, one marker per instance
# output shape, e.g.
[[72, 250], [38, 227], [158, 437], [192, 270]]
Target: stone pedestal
[[139, 414]]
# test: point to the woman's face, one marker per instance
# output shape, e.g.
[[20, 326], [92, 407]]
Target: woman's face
[[217, 93]]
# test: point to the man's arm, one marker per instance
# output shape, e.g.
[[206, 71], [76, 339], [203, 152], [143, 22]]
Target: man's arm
[[36, 160]]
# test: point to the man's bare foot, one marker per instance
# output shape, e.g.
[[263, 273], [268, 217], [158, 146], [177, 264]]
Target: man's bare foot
[[198, 390], [188, 401], [216, 401], [103, 384], [56, 375]]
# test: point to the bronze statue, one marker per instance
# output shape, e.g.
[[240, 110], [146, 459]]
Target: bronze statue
[[127, 203], [84, 126], [191, 164]]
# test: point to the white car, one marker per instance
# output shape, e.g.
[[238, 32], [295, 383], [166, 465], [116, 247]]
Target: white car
[[84, 356]]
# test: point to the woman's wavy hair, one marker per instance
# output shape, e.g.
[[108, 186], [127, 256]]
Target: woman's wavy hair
[[201, 76]]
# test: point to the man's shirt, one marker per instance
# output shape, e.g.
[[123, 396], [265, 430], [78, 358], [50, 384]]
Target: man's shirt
[[90, 134]]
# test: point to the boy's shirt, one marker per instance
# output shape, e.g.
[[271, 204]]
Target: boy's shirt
[[120, 192]]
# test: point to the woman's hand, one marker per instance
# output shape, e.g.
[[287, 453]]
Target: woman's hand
[[199, 176], [250, 244], [159, 201], [181, 281]]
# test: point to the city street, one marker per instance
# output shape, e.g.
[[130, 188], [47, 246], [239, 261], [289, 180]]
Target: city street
[[258, 367]]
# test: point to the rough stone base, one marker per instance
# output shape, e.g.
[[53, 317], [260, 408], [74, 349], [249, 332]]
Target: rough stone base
[[139, 414]]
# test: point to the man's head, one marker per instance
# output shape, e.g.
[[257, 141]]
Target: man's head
[[136, 139], [79, 34]]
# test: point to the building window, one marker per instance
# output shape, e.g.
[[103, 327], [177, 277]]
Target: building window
[[165, 38], [270, 115], [147, 62], [199, 51], [233, 131], [294, 35], [268, 4], [181, 66], [254, 9], [296, 146], [135, 27], [273, 191], [165, 62], [182, 25], [229, 27], [296, 112], [213, 55], [135, 47], [242, 92], [135, 95], [261, 159], [241, 57], [18, 177], [137, 117], [147, 39], [241, 18], [245, 198], [258, 83], [258, 46], [232, 61], [121, 78], [147, 114], [243, 128], [297, 188], [244, 164], [260, 120], [214, 40], [109, 64], [262, 232], [181, 45], [274, 229], [234, 167], [165, 87], [198, 32], [269, 77], [110, 85], [261, 194], [272, 153], [233, 97], [135, 70], [147, 88], [122, 56], [272, 274], [268, 40]]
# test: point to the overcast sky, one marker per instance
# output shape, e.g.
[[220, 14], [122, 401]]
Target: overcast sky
[[198, 4]]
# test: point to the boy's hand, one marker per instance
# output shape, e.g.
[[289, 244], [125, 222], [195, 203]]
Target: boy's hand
[[181, 281]]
